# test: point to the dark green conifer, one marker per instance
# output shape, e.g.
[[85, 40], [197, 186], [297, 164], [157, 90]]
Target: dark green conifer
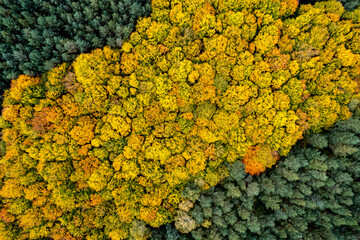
[[314, 193], [37, 35]]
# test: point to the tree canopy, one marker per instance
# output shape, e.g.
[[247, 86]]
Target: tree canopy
[[314, 193], [37, 35], [95, 146]]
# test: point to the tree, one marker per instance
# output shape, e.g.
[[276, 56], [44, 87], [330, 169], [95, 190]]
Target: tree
[[310, 194], [37, 36], [118, 133]]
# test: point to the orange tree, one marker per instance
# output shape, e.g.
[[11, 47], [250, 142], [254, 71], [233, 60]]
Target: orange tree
[[95, 146]]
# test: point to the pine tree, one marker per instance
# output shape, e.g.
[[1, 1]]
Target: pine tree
[[310, 194], [39, 35]]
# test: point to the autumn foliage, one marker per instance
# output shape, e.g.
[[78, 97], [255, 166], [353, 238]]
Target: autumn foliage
[[113, 137]]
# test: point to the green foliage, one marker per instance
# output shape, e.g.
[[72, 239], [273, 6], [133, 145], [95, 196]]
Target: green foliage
[[311, 194], [106, 143], [38, 35], [168, 232], [349, 5]]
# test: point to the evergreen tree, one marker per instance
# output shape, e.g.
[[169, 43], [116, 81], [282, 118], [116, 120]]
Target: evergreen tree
[[314, 193], [349, 5], [38, 35], [95, 147]]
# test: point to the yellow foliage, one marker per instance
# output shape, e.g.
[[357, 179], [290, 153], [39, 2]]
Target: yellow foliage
[[30, 219], [11, 113], [99, 178], [98, 67], [83, 132], [19, 85], [11, 189], [198, 84]]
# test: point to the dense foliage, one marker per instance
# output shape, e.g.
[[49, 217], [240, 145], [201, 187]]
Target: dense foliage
[[349, 5], [36, 35], [94, 146], [312, 194]]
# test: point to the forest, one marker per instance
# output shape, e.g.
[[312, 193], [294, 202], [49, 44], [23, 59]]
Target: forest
[[180, 119]]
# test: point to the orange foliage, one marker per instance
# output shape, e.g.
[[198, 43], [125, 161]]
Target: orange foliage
[[258, 158], [198, 84]]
